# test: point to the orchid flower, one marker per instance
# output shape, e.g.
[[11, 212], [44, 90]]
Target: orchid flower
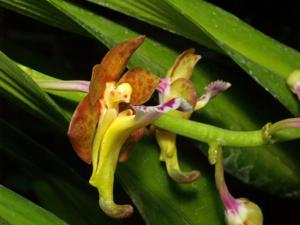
[[111, 115], [239, 211], [177, 84]]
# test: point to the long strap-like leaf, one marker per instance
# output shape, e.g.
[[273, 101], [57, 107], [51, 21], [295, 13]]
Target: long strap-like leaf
[[20, 87], [267, 61], [16, 210]]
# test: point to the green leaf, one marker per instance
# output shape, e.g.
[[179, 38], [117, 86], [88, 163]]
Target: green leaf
[[17, 210], [77, 205], [55, 200], [267, 61], [38, 11], [158, 14], [19, 87]]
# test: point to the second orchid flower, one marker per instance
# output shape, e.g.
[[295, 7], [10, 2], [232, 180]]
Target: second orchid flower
[[177, 84]]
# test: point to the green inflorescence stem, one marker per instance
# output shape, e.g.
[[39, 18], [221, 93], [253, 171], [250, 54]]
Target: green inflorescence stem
[[211, 134]]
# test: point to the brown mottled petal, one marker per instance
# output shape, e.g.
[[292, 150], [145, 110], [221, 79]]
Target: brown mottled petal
[[128, 146], [82, 128], [97, 84], [112, 66], [183, 88], [143, 84], [184, 65]]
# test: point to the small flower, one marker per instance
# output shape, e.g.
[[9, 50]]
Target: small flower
[[293, 82], [177, 84], [237, 211], [110, 117], [245, 213]]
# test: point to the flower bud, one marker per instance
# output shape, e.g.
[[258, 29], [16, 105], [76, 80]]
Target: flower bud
[[245, 213], [293, 82]]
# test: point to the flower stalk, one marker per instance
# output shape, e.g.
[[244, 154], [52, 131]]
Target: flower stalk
[[212, 134]]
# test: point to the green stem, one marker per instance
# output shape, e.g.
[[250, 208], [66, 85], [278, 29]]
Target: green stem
[[211, 134]]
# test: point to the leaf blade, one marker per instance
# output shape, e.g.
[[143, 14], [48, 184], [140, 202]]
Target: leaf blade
[[20, 87], [18, 210], [267, 61]]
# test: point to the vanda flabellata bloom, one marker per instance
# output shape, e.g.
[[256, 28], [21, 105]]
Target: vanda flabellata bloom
[[177, 84], [111, 115]]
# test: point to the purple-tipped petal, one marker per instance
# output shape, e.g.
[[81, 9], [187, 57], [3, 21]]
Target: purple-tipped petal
[[216, 87], [174, 104], [211, 90]]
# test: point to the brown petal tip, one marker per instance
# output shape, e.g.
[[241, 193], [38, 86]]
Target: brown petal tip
[[116, 211], [112, 66], [185, 177]]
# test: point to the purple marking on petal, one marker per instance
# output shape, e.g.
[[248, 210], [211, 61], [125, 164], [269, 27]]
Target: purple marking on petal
[[173, 104], [163, 85], [216, 87], [169, 104], [144, 115]]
